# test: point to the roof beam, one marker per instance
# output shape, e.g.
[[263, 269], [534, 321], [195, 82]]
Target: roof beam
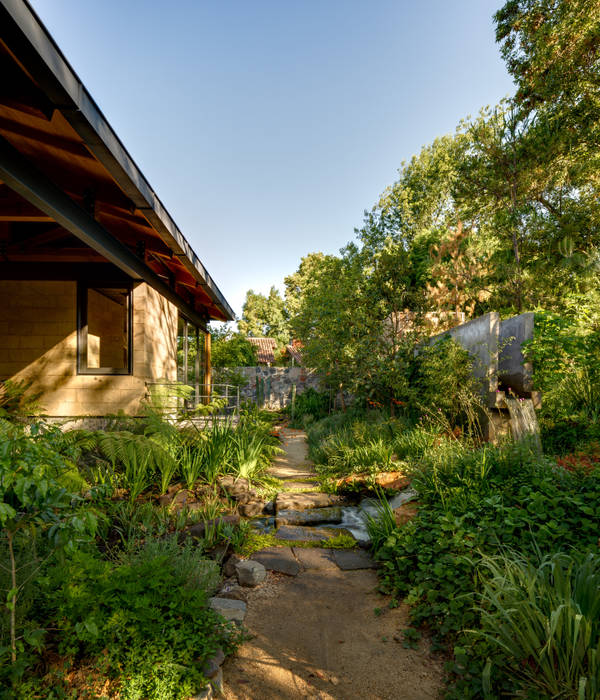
[[22, 176]]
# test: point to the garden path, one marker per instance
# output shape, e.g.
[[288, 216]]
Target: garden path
[[324, 631]]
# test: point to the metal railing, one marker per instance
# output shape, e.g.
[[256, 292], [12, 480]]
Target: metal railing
[[180, 400]]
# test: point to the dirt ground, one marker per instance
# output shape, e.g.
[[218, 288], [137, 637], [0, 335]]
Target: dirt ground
[[321, 635], [326, 634]]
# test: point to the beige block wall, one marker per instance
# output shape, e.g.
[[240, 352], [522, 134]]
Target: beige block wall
[[38, 345]]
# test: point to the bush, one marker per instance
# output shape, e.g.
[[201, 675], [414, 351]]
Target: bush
[[565, 353], [543, 620], [141, 621], [311, 405], [475, 503]]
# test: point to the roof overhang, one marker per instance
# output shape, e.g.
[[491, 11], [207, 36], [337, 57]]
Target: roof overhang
[[65, 165]]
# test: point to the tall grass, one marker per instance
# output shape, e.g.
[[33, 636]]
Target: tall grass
[[544, 619]]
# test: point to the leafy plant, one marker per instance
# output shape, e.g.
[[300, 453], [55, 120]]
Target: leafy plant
[[543, 620], [190, 461], [32, 500]]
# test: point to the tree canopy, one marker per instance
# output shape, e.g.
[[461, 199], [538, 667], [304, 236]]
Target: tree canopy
[[502, 215]]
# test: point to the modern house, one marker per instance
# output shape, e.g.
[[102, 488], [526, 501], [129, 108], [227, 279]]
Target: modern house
[[100, 293]]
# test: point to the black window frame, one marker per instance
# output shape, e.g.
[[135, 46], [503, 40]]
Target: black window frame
[[82, 332]]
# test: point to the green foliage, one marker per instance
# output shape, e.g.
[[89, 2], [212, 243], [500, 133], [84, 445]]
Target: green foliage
[[265, 316], [309, 406], [565, 354], [542, 618], [33, 502], [476, 503], [446, 385], [17, 401], [143, 619], [230, 349]]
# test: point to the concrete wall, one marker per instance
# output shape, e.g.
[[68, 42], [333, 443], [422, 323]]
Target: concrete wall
[[480, 337], [38, 345], [513, 371], [278, 383]]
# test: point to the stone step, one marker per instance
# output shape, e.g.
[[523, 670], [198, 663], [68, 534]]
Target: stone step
[[304, 501], [299, 533], [312, 516]]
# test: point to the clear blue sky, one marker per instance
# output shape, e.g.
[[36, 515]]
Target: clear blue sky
[[267, 127]]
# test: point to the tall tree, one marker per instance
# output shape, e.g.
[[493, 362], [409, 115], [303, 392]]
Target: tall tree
[[265, 316]]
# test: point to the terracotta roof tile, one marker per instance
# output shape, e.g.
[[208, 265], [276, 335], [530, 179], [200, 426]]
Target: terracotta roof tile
[[265, 350]]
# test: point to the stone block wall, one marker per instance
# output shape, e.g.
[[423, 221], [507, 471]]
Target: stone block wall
[[38, 345], [278, 383]]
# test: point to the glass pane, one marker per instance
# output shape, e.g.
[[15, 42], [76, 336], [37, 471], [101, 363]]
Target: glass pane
[[192, 353], [107, 328], [181, 354]]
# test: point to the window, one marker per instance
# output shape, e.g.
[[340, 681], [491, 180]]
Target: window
[[104, 320], [190, 354]]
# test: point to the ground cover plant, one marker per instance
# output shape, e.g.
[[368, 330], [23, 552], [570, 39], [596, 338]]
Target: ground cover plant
[[105, 591], [473, 505]]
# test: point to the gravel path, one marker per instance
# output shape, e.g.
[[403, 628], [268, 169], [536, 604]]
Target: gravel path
[[326, 633]]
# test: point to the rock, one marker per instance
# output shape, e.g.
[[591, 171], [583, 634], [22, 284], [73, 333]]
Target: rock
[[250, 573], [279, 559], [239, 489], [405, 512], [217, 683], [395, 481], [297, 533], [232, 610], [205, 694], [263, 524], [315, 558], [269, 508], [351, 559], [313, 516], [251, 508], [199, 529], [183, 498], [166, 498], [212, 666], [234, 592], [304, 501], [230, 564]]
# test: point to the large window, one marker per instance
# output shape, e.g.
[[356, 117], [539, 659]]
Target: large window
[[104, 330]]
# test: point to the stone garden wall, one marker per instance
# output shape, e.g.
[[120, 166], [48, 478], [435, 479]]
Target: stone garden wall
[[275, 383]]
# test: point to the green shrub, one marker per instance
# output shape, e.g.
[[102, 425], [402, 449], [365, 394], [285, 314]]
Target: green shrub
[[565, 353], [543, 620], [142, 620], [310, 404], [446, 386], [476, 503]]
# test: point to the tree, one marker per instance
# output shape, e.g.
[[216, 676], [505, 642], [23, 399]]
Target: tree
[[265, 317], [229, 349]]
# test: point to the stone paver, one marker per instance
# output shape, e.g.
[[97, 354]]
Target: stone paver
[[315, 558], [300, 533], [352, 559], [303, 501], [311, 516], [280, 559], [233, 610]]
